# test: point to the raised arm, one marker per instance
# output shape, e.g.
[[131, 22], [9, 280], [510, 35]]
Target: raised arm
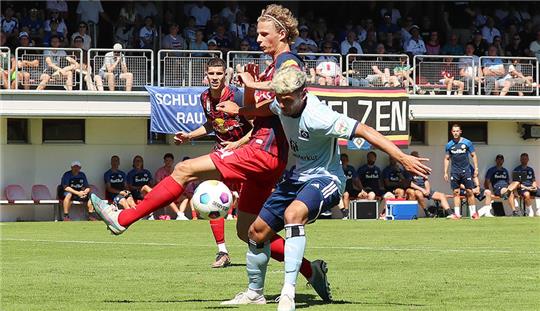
[[261, 109], [182, 137]]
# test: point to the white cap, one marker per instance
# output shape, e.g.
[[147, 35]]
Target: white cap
[[76, 163], [117, 47]]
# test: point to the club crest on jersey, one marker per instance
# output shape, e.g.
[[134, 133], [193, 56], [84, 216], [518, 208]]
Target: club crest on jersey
[[341, 127], [304, 135], [463, 146], [223, 126]]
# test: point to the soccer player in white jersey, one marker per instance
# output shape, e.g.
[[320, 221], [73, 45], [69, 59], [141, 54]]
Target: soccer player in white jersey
[[317, 182]]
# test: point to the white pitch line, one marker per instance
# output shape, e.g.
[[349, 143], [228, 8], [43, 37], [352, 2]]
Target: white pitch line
[[360, 248]]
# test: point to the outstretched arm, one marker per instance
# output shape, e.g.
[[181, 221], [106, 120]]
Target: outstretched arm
[[261, 109], [410, 163]]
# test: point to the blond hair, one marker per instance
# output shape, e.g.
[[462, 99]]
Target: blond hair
[[288, 80], [282, 19]]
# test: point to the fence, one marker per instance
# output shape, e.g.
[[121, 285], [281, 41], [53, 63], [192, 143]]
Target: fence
[[48, 67], [496, 74], [445, 73], [183, 68], [235, 58], [376, 70], [138, 63], [5, 60]]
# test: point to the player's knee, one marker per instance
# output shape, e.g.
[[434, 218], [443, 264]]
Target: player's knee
[[456, 192], [183, 170], [294, 215], [345, 195]]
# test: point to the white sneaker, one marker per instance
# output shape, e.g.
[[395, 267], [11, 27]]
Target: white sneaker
[[181, 216], [230, 217], [244, 298], [530, 212], [151, 217], [108, 213], [286, 303], [537, 212], [489, 214]]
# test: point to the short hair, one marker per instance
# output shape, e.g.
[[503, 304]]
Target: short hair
[[216, 62], [282, 18], [344, 155], [53, 37], [524, 154], [115, 156], [288, 80], [138, 157], [168, 155], [372, 152], [456, 125]]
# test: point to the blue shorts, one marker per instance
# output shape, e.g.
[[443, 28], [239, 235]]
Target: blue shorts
[[75, 197], [498, 188], [461, 178], [480, 196], [319, 194], [378, 192]]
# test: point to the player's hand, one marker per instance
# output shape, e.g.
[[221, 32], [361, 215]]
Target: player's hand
[[475, 172], [229, 107], [246, 79], [426, 194], [231, 145], [415, 165], [181, 137], [446, 177]]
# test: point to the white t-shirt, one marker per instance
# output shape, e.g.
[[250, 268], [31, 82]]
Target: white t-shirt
[[55, 55], [328, 66], [60, 6], [202, 15], [416, 47], [490, 34], [9, 25], [87, 40], [146, 9], [111, 59], [62, 27], [345, 46], [89, 10], [147, 34]]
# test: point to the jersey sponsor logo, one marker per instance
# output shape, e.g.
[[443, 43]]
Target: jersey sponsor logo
[[501, 175], [223, 126], [117, 180], [458, 151], [294, 145], [143, 178], [372, 175]]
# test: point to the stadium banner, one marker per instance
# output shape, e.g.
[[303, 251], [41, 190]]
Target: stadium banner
[[384, 109], [175, 109]]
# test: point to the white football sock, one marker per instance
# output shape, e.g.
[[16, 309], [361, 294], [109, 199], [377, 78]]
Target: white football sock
[[472, 210], [530, 211], [222, 248], [457, 210]]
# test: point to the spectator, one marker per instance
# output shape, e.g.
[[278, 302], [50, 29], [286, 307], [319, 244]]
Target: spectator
[[492, 69], [416, 45], [201, 13], [370, 178], [480, 45], [390, 9], [305, 39], [80, 64], [58, 6], [128, 14], [433, 46], [9, 23], [497, 43], [244, 46], [387, 26], [513, 77], [395, 179], [87, 40], [54, 30], [212, 45], [328, 70], [146, 8], [498, 180], [369, 45], [223, 40], [392, 44], [147, 34], [350, 42], [114, 67], [116, 188], [212, 25], [452, 47], [53, 58], [139, 179], [239, 28], [511, 30], [162, 173], [319, 30], [75, 187], [527, 185], [469, 66], [448, 79], [229, 12], [90, 13], [515, 47], [173, 41], [352, 185], [527, 33], [329, 38], [534, 47], [198, 44], [405, 30], [33, 24], [252, 38], [124, 33], [190, 30], [9, 66], [380, 49]]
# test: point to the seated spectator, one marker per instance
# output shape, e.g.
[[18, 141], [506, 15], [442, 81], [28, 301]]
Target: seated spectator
[[489, 32], [75, 187], [415, 46], [329, 38], [526, 187], [402, 76], [116, 188], [198, 44], [395, 179], [147, 34], [350, 42], [492, 69], [173, 41], [370, 178], [239, 28], [139, 179], [352, 185], [329, 71], [114, 67], [420, 190], [212, 45], [60, 29], [387, 26], [222, 39], [452, 47], [370, 44], [252, 38], [9, 66], [534, 47], [162, 173], [406, 28], [83, 33], [513, 77], [53, 31], [128, 14], [146, 8], [515, 47], [469, 66], [304, 38], [212, 25], [33, 24], [448, 77], [433, 46], [229, 12], [124, 33], [54, 71], [9, 23], [79, 64], [57, 6], [201, 13], [479, 43], [391, 44], [498, 181], [190, 30], [497, 43]]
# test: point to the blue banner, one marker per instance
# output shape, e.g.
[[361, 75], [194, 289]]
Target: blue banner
[[175, 109]]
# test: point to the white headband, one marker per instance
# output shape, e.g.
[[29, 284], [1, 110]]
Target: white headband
[[275, 20]]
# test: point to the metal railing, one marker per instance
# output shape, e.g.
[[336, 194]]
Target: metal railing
[[319, 64], [180, 68], [5, 60], [376, 70], [241, 58], [36, 71], [138, 62], [446, 73], [496, 77]]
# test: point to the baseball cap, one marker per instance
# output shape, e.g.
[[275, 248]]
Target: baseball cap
[[212, 41], [117, 47], [414, 26], [499, 156], [23, 34], [76, 163]]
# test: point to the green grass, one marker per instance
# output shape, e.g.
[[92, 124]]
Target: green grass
[[491, 264]]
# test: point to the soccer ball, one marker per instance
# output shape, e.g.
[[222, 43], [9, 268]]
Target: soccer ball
[[212, 199]]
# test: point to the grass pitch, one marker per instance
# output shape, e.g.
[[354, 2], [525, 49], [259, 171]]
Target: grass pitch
[[490, 264]]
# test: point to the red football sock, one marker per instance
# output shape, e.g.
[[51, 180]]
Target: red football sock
[[218, 229], [162, 195], [193, 213], [277, 251]]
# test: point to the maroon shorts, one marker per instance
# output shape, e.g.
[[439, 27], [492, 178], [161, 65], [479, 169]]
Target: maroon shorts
[[257, 170]]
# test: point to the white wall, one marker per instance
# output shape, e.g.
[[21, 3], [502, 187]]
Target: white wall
[[38, 163]]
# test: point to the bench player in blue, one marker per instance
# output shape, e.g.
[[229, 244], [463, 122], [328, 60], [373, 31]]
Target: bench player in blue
[[317, 182], [498, 179], [527, 187], [457, 151]]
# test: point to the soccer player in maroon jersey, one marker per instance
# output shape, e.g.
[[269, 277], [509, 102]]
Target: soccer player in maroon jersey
[[259, 164], [230, 133]]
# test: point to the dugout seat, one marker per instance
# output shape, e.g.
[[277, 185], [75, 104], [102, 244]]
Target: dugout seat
[[15, 195], [41, 195]]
